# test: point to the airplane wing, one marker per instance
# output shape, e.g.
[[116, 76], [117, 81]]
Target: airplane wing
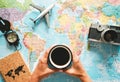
[[37, 7], [47, 19]]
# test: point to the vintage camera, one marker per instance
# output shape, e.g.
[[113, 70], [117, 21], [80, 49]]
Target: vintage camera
[[104, 33]]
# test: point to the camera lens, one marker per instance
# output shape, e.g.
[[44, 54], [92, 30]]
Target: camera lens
[[60, 56], [110, 35]]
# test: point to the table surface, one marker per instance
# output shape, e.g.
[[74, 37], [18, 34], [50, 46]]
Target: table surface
[[69, 24]]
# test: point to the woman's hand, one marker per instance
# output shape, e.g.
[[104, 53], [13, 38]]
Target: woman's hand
[[78, 70], [42, 70]]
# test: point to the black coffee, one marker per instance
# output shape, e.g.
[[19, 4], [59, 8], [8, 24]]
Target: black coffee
[[60, 56]]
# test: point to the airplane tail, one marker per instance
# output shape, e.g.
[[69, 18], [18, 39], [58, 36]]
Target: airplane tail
[[31, 5], [33, 20]]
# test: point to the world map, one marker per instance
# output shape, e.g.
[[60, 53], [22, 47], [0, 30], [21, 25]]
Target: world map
[[70, 21]]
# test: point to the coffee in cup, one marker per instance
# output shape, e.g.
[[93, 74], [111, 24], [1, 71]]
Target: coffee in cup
[[60, 57]]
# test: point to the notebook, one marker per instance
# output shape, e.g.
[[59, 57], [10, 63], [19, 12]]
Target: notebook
[[14, 69]]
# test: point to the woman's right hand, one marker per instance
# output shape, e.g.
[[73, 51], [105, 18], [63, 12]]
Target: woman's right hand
[[78, 70]]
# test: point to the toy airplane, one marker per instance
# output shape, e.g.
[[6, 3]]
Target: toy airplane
[[44, 12]]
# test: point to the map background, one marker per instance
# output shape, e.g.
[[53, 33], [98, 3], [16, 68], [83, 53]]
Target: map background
[[69, 24]]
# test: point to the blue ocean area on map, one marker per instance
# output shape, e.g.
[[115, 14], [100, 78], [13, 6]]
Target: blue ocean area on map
[[110, 10]]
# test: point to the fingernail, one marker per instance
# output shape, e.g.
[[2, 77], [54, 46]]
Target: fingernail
[[60, 70]]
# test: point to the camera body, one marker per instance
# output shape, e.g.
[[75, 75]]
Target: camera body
[[104, 33]]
